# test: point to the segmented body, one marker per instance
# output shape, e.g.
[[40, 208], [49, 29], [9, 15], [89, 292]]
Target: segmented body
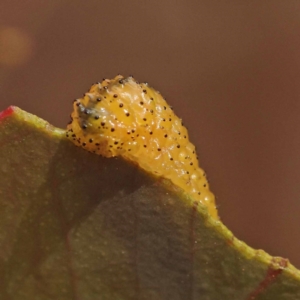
[[121, 117]]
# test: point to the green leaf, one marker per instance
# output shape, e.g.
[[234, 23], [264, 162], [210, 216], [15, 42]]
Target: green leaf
[[74, 225]]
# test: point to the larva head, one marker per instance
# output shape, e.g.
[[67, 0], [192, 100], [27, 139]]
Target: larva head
[[123, 117], [119, 116]]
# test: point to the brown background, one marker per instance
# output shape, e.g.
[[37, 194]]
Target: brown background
[[231, 69]]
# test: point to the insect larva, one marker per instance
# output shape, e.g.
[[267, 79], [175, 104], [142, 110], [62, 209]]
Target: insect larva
[[126, 118]]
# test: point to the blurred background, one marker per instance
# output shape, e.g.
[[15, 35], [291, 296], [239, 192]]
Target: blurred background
[[230, 69]]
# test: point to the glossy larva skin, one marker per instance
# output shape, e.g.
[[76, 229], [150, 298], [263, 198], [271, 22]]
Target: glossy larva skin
[[126, 118]]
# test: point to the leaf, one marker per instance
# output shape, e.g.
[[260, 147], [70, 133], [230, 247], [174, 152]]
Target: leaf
[[74, 225]]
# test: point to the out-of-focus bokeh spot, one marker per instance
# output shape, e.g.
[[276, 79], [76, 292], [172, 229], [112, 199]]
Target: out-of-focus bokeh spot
[[16, 46]]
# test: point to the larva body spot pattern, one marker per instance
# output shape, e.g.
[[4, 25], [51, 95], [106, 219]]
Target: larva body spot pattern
[[121, 117]]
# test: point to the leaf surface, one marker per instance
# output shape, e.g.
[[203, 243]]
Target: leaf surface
[[74, 225]]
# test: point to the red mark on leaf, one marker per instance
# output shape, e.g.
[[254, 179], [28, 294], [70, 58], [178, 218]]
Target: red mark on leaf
[[7, 112], [274, 270]]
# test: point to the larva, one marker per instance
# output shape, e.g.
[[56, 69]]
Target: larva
[[130, 119]]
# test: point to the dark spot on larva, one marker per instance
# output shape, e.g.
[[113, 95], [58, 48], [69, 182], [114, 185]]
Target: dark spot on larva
[[133, 131], [121, 81], [151, 98], [67, 135], [116, 143], [204, 185], [84, 126], [165, 108], [184, 136], [144, 119], [110, 146], [145, 146], [73, 135], [127, 114], [163, 119], [121, 105], [96, 117], [129, 149], [97, 144], [90, 140], [145, 91], [178, 146], [151, 132], [128, 132], [171, 158], [112, 130], [83, 144], [78, 103], [199, 193], [165, 135], [187, 172], [115, 96], [179, 133], [151, 110], [170, 119], [191, 164], [142, 103], [87, 112], [158, 149], [99, 99]]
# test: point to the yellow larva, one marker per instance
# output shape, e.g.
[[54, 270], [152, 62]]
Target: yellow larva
[[126, 118]]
